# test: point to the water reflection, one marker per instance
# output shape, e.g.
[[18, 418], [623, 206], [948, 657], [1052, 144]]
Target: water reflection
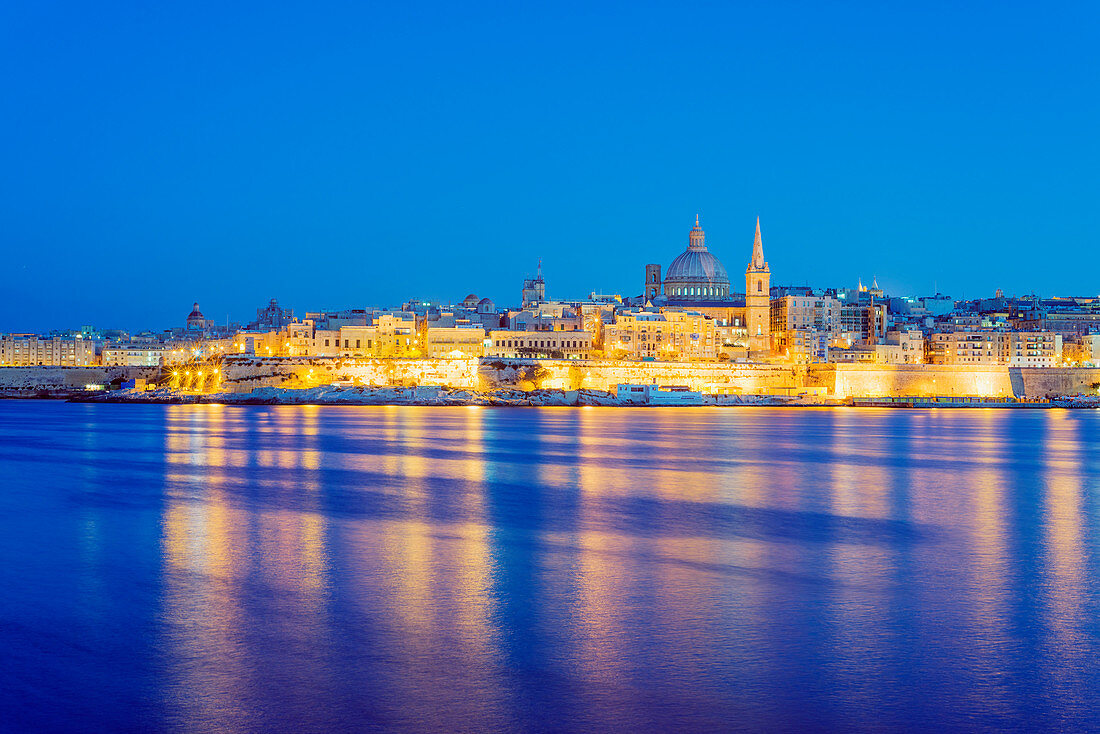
[[456, 569]]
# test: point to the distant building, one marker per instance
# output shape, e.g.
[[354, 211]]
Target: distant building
[[273, 316], [24, 350], [1012, 348], [534, 289], [195, 320], [461, 340], [134, 355]]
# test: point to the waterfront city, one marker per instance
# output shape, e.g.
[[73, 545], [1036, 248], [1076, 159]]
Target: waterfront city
[[690, 327], [549, 368]]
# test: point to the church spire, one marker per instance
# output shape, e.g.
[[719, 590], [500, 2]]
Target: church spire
[[758, 249]]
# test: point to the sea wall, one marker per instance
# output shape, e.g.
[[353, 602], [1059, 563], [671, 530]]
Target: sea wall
[[858, 380], [840, 381], [55, 378], [869, 380], [1037, 382], [243, 375], [707, 377]]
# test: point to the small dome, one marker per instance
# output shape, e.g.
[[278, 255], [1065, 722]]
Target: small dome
[[485, 302], [470, 300]]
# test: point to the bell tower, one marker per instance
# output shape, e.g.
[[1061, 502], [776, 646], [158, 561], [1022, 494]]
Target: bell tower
[[758, 298], [652, 281]]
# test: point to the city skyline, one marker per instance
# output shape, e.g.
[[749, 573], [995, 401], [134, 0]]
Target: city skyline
[[955, 151], [514, 300]]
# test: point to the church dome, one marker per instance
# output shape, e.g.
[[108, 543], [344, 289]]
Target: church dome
[[696, 274], [697, 265], [195, 319]]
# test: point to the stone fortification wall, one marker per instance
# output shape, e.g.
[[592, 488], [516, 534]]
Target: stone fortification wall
[[30, 379], [858, 380], [1037, 382], [838, 380], [244, 375], [870, 380], [708, 377]]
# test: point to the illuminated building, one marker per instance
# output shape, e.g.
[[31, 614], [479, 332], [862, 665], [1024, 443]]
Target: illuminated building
[[510, 344], [24, 350], [396, 335], [1012, 348], [134, 355], [901, 347], [460, 340], [1082, 350], [866, 321], [668, 336]]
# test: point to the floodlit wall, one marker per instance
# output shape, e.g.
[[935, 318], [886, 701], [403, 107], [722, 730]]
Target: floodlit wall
[[242, 375], [838, 380], [708, 377], [68, 378], [856, 380], [871, 380]]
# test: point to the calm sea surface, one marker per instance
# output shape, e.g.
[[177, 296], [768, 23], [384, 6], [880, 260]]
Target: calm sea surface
[[289, 569]]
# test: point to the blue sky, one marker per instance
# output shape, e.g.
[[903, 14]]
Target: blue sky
[[336, 155]]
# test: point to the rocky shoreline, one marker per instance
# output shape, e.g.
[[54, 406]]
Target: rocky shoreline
[[333, 395]]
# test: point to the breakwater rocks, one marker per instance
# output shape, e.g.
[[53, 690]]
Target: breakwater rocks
[[333, 395]]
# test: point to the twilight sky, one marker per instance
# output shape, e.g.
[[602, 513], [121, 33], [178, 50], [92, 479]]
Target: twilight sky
[[339, 155]]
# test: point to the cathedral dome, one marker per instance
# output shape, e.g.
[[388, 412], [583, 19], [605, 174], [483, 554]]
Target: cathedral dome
[[696, 274], [697, 265]]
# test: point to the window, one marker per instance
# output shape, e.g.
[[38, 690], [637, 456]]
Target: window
[[759, 286]]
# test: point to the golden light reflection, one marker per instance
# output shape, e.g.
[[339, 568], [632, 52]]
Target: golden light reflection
[[1063, 458], [215, 544]]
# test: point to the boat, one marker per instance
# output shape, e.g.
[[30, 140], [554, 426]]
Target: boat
[[647, 394]]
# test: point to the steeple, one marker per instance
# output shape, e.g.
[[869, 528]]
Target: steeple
[[757, 250], [697, 240]]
